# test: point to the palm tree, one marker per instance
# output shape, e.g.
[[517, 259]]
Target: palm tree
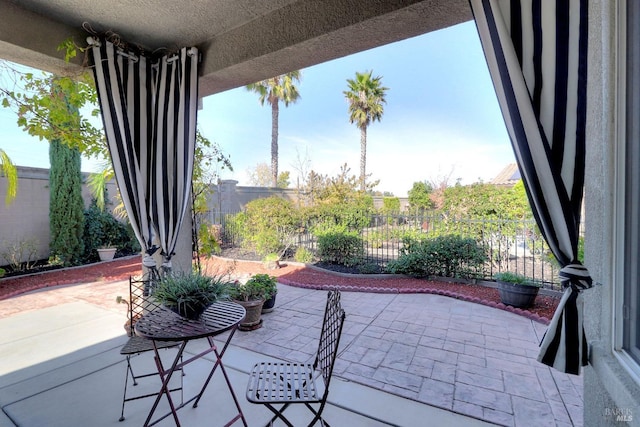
[[273, 90], [8, 169], [365, 97]]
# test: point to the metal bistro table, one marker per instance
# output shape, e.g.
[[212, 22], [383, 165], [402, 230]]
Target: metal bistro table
[[165, 325]]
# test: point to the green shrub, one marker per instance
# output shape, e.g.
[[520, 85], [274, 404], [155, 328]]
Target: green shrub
[[341, 248], [2, 272], [270, 225], [445, 256], [390, 205], [374, 239], [516, 279], [354, 215], [303, 255], [209, 239], [413, 263], [328, 227], [267, 242], [101, 229], [410, 233], [271, 257]]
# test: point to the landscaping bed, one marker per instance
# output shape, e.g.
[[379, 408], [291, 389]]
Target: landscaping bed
[[290, 273]]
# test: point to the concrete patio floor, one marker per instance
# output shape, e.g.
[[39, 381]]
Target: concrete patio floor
[[404, 360]]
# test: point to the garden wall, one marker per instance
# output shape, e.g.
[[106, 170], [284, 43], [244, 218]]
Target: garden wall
[[25, 222], [228, 197]]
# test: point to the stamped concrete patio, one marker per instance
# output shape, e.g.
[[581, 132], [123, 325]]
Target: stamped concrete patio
[[404, 360]]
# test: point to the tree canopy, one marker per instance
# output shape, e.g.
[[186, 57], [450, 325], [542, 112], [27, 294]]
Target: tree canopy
[[365, 96], [28, 94], [66, 206], [48, 117], [420, 196], [487, 200], [260, 176], [279, 88], [8, 169]]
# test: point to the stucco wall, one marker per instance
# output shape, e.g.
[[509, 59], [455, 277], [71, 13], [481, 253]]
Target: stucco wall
[[27, 217], [609, 389], [229, 197]]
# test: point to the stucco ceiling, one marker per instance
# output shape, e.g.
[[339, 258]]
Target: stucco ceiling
[[242, 41]]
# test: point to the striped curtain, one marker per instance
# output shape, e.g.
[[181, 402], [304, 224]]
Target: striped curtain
[[149, 112], [536, 51], [173, 145]]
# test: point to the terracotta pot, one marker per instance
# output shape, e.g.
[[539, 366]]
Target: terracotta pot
[[252, 320]]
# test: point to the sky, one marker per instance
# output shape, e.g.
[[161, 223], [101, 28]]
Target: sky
[[441, 119]]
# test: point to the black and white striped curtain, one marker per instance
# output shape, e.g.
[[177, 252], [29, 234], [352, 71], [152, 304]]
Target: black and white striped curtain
[[173, 145], [537, 56], [149, 112]]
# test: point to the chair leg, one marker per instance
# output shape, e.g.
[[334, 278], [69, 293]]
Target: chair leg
[[278, 414], [124, 393], [133, 376], [318, 415]]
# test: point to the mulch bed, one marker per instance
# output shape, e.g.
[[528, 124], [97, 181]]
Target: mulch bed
[[290, 273]]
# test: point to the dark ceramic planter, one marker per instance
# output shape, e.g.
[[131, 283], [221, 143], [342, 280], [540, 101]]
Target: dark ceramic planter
[[269, 304], [517, 295], [188, 311]]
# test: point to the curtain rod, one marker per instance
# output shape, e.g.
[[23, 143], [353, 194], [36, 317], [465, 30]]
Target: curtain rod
[[93, 41]]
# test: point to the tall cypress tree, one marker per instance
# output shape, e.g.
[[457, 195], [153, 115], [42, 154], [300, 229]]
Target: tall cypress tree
[[66, 206]]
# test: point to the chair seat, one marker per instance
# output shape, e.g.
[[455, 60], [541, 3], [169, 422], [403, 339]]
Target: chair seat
[[137, 345], [282, 383]]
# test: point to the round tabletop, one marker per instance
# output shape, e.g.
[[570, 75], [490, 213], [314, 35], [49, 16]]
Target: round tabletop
[[165, 325]]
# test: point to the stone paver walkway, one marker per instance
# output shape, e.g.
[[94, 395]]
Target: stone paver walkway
[[461, 356]]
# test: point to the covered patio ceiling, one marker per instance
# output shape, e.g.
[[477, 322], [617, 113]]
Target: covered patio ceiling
[[242, 41]]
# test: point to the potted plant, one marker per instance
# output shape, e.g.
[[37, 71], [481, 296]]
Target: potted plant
[[189, 294], [111, 233], [107, 252], [252, 295], [269, 284], [516, 290]]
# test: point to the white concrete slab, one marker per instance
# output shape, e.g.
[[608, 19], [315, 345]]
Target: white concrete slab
[[41, 340]]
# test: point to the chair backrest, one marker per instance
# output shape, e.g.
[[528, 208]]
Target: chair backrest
[[140, 299], [330, 337]]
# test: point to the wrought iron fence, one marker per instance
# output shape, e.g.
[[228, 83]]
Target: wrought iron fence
[[510, 245]]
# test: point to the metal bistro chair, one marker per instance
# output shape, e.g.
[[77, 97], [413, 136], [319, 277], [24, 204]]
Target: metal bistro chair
[[140, 302], [286, 383]]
